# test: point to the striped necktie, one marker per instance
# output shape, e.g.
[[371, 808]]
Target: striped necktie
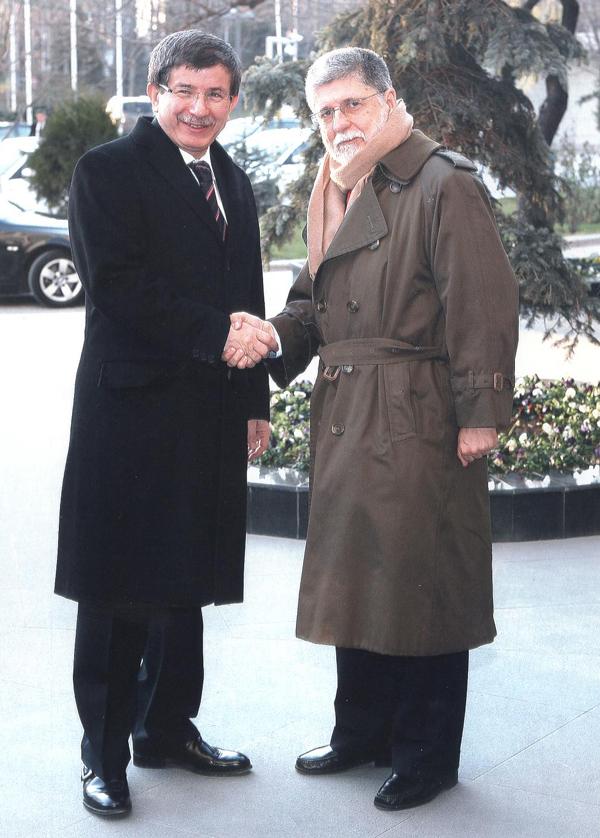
[[205, 177]]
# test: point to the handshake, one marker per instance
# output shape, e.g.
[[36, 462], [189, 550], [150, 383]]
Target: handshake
[[249, 341]]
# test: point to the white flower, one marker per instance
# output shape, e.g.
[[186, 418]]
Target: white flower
[[298, 434], [523, 439], [547, 429], [511, 445], [570, 393]]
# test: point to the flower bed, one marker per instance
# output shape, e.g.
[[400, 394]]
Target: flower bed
[[290, 418], [555, 428]]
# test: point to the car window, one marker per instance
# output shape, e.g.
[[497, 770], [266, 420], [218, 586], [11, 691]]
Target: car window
[[133, 108], [20, 171], [14, 129]]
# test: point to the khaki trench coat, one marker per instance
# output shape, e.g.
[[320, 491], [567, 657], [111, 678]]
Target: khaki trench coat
[[414, 313]]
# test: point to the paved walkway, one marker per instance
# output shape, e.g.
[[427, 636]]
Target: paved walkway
[[531, 752], [531, 755]]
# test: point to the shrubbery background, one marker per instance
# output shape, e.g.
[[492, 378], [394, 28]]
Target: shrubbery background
[[555, 427]]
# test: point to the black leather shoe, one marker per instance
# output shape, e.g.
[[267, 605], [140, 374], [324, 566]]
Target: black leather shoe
[[326, 760], [399, 793], [105, 797], [198, 756]]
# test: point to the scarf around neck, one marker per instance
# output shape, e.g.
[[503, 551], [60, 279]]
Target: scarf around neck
[[329, 198]]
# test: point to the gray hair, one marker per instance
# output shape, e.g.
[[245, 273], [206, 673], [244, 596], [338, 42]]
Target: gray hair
[[347, 61], [193, 48]]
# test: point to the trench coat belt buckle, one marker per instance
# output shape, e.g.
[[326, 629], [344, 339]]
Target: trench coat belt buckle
[[331, 373]]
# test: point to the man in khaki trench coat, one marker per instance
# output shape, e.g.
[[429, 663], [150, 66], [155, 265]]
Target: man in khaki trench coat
[[410, 302]]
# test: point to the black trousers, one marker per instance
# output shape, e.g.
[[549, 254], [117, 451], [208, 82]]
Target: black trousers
[[411, 706], [137, 670]]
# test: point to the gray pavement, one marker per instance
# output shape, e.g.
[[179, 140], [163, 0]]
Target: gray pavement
[[531, 753]]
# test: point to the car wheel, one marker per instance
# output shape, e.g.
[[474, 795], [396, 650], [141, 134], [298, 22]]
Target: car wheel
[[53, 280]]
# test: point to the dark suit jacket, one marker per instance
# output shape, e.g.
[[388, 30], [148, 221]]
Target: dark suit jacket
[[153, 505]]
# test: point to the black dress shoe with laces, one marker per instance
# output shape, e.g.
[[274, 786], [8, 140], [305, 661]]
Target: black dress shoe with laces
[[105, 797], [326, 760], [399, 793], [197, 756]]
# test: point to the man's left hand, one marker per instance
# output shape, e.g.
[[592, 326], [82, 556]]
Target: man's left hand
[[474, 443], [259, 432]]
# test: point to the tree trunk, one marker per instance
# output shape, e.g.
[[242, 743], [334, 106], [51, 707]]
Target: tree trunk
[[555, 104], [551, 112]]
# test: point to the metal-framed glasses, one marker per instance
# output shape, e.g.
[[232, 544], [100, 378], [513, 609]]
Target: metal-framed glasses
[[188, 96], [349, 107]]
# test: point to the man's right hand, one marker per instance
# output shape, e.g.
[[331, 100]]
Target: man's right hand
[[250, 339]]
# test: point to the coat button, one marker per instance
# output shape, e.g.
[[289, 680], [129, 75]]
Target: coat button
[[338, 429], [347, 368], [374, 246], [395, 187], [322, 305], [353, 306]]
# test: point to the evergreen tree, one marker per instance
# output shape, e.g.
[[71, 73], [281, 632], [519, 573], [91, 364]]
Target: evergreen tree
[[70, 131], [456, 64]]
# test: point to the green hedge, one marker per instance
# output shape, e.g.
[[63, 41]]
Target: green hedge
[[555, 427]]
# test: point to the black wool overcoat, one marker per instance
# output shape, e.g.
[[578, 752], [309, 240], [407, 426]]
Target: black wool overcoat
[[153, 505]]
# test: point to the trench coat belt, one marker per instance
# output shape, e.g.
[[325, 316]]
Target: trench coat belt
[[374, 351]]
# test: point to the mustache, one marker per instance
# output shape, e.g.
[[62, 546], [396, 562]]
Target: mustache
[[346, 136], [197, 122]]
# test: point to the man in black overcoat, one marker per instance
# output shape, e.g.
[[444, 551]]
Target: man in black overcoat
[[152, 523]]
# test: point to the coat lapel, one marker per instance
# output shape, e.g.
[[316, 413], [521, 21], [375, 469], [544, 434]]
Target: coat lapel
[[363, 224], [164, 156]]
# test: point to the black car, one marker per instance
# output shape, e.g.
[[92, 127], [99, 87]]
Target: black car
[[35, 257]]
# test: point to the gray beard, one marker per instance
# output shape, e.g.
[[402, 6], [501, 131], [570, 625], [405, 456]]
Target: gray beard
[[342, 154]]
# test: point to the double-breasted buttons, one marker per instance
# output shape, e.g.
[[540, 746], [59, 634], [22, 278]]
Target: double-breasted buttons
[[374, 245], [353, 306], [395, 187], [322, 305], [337, 429]]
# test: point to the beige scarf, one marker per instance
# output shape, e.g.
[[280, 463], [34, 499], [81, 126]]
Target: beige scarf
[[328, 203]]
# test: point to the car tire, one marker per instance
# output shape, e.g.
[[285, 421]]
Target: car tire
[[53, 280]]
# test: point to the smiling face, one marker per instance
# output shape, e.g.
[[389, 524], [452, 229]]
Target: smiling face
[[195, 123], [346, 134]]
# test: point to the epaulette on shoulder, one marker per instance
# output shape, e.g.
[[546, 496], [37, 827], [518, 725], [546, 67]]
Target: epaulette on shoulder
[[459, 161]]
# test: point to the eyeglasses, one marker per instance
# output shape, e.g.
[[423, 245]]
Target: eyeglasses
[[212, 98], [349, 107]]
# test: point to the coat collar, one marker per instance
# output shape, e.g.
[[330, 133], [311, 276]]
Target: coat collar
[[165, 157], [404, 162], [364, 223]]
